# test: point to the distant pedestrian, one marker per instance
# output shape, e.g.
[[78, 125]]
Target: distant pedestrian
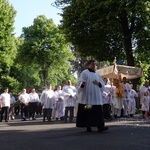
[[12, 107], [24, 101], [33, 103], [5, 104]]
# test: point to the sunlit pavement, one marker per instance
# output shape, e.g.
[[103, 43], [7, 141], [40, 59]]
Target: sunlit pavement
[[123, 134]]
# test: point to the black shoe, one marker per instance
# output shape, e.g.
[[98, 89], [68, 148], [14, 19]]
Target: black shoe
[[115, 116], [88, 129], [61, 118], [33, 118], [102, 129], [131, 115], [23, 119], [6, 120]]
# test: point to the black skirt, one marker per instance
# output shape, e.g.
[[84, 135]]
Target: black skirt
[[90, 118]]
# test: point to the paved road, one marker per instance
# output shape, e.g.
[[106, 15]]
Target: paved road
[[123, 134]]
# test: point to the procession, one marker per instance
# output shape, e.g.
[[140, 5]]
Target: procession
[[92, 101]]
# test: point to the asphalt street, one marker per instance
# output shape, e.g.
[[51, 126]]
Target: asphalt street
[[123, 134]]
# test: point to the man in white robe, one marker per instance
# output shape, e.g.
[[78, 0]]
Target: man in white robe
[[90, 113], [47, 100], [70, 97]]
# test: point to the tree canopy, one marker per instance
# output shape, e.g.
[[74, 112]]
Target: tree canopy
[[8, 49], [7, 40], [46, 47], [108, 28]]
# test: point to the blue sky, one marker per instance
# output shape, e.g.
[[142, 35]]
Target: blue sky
[[28, 10]]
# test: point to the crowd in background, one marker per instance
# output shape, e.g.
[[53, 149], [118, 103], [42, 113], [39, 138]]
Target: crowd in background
[[59, 103]]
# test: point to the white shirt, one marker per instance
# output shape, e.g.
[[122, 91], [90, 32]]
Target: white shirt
[[91, 94], [5, 98], [34, 97], [24, 97]]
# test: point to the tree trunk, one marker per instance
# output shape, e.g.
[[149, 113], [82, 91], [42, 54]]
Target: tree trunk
[[44, 73], [127, 33]]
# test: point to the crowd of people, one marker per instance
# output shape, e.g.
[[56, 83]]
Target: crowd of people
[[57, 104], [91, 100]]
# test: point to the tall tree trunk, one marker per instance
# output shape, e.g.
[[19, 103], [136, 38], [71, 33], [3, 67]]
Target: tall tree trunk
[[127, 33], [45, 74]]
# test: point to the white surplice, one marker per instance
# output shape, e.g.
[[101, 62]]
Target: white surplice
[[91, 94]]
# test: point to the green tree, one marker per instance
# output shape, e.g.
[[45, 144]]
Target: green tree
[[108, 28], [46, 47], [8, 48]]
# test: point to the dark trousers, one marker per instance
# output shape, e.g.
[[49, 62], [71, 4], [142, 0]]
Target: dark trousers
[[47, 112], [32, 109], [5, 110], [24, 111], [70, 111], [90, 118], [106, 111], [17, 110], [39, 109]]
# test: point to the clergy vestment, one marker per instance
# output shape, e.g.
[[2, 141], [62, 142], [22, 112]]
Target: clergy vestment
[[47, 100], [90, 94]]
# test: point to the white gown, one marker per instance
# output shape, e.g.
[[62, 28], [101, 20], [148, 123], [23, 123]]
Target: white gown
[[91, 94]]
